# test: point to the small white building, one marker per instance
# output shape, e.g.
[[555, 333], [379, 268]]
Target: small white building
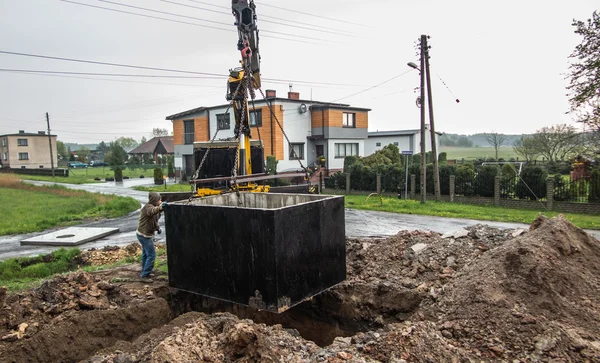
[[405, 140]]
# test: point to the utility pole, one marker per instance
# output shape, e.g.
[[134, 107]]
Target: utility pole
[[423, 156], [50, 142], [436, 169]]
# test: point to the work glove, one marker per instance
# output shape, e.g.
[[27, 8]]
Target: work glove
[[164, 204]]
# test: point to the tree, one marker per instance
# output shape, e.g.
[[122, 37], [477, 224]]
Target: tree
[[584, 84], [61, 150], [83, 154], [102, 147], [558, 142], [143, 140], [496, 140], [158, 132], [525, 147], [116, 154], [127, 142]]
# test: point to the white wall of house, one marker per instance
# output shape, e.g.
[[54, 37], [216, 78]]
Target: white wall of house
[[223, 134], [373, 144], [297, 127], [336, 161]]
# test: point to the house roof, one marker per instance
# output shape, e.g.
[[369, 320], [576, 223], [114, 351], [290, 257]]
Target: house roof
[[151, 146], [28, 134], [316, 104], [396, 133]]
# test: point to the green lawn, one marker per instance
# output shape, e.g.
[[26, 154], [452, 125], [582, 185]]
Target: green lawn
[[176, 187], [472, 153], [87, 175], [27, 208], [468, 211]]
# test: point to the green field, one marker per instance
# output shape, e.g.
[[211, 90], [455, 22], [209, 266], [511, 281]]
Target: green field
[[472, 153], [28, 208]]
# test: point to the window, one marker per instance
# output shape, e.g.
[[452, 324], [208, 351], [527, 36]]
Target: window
[[256, 118], [23, 156], [223, 121], [5, 156], [349, 119], [22, 142], [343, 150], [396, 143], [188, 132], [378, 144], [3, 142], [296, 151]]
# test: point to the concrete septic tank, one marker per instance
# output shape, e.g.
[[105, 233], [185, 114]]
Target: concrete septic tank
[[266, 251]]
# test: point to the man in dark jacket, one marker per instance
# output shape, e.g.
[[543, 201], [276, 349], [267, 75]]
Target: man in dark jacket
[[147, 225]]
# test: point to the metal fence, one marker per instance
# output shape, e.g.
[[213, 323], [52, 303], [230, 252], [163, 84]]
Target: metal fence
[[577, 191]]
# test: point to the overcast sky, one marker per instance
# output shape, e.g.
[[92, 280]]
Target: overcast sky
[[506, 61]]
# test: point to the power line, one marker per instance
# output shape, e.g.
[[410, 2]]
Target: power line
[[316, 16], [194, 24], [264, 20], [274, 17], [205, 20], [108, 74], [110, 64], [375, 86]]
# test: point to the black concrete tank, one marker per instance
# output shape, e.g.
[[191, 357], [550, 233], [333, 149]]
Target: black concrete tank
[[266, 251]]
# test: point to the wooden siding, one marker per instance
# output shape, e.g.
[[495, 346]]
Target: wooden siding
[[270, 132], [200, 130], [362, 120], [334, 118]]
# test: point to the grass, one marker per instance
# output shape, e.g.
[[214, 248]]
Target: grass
[[29, 208], [21, 273], [472, 153], [87, 175], [467, 211], [161, 188]]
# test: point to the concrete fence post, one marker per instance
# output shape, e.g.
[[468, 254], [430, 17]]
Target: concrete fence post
[[496, 190], [550, 193], [378, 183], [347, 183], [452, 187], [413, 185]]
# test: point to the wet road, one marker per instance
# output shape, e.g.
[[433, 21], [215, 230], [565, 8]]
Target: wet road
[[358, 223]]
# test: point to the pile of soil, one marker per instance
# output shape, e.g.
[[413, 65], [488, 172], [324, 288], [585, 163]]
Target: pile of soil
[[478, 294], [112, 254]]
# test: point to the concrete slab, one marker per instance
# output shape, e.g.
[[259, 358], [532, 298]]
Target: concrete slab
[[72, 236]]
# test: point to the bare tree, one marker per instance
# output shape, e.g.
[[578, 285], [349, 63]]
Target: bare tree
[[496, 140], [158, 132], [525, 147]]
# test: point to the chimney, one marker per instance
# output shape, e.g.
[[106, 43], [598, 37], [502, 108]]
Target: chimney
[[21, 131], [271, 93], [293, 95], [41, 132]]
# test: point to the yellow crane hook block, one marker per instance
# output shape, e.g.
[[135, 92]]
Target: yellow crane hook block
[[263, 250]]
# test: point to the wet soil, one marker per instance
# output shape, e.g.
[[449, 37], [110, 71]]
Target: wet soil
[[479, 294]]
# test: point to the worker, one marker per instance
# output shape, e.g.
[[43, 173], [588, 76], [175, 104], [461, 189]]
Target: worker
[[147, 226]]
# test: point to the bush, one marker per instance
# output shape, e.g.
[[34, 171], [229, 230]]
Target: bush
[[486, 176], [349, 161], [594, 196], [271, 165], [465, 180], [158, 176], [118, 174], [443, 157], [170, 170], [508, 171], [532, 183]]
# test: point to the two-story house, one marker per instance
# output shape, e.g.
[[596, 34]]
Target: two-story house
[[314, 129], [27, 150]]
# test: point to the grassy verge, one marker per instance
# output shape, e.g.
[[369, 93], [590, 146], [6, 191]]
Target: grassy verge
[[88, 175], [161, 188], [29, 272], [28, 208], [472, 153], [22, 273], [467, 211]]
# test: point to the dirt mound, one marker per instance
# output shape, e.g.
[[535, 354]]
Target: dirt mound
[[476, 294], [112, 254], [533, 298]]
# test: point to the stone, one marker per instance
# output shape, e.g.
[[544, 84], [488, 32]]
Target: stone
[[456, 234], [344, 355], [418, 247]]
